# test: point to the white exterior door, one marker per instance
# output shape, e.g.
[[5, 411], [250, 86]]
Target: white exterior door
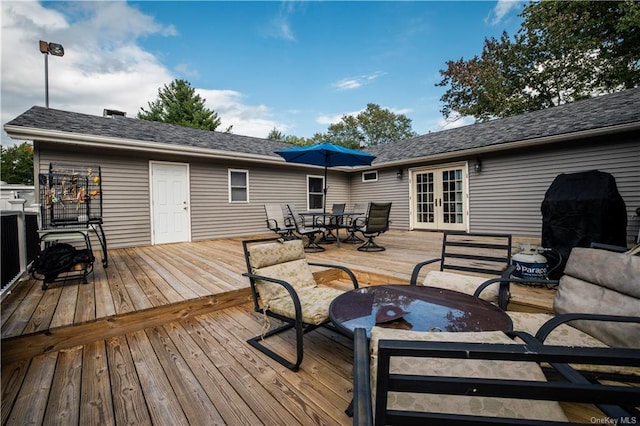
[[170, 202], [439, 198]]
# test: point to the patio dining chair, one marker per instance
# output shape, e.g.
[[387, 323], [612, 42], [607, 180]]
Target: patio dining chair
[[350, 221], [277, 222], [304, 231], [283, 287], [467, 262], [376, 222], [331, 223]]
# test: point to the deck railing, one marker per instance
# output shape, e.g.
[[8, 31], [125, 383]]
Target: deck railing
[[19, 244]]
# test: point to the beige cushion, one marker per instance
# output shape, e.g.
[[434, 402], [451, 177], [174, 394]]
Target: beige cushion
[[268, 254], [566, 335], [286, 261], [296, 272], [463, 283], [602, 282], [454, 404], [314, 301]]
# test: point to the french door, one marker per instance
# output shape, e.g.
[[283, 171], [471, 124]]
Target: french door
[[439, 198]]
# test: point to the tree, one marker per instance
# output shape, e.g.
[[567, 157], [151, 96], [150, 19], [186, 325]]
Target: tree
[[275, 135], [17, 164], [373, 126], [563, 51], [178, 103]]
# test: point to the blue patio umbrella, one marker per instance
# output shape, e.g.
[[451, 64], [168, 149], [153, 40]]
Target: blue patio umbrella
[[327, 155]]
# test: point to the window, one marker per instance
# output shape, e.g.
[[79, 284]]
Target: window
[[315, 191], [238, 186], [371, 176]]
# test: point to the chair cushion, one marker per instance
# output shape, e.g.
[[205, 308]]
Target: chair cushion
[[274, 253], [314, 301], [296, 272], [454, 404], [566, 335], [602, 282], [462, 283], [563, 335]]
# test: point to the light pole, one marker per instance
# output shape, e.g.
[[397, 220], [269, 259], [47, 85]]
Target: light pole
[[47, 49]]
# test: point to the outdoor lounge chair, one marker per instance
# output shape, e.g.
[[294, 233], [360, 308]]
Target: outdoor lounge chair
[[414, 378], [303, 231], [597, 304], [283, 287], [376, 222], [483, 254], [277, 222]]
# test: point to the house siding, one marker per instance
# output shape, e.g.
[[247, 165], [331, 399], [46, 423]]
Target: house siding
[[125, 189], [388, 188], [507, 195], [126, 199]]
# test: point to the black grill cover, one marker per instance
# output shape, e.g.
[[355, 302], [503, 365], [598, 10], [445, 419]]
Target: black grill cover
[[578, 209]]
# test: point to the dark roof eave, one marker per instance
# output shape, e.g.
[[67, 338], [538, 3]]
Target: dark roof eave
[[30, 133], [526, 143]]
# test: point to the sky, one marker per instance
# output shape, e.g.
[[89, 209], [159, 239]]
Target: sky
[[294, 66]]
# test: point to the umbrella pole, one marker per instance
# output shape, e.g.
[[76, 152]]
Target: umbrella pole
[[324, 198]]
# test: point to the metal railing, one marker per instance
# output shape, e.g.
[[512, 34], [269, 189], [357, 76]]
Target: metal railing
[[19, 245]]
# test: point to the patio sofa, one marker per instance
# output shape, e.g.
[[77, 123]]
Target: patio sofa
[[407, 377]]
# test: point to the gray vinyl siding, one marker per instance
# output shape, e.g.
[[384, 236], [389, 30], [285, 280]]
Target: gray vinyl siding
[[126, 202], [388, 188], [507, 195], [125, 188], [214, 217]]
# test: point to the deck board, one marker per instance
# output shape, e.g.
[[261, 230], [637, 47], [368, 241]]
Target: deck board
[[159, 337]]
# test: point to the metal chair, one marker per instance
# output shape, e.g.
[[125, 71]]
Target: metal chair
[[303, 231], [331, 223], [484, 255], [283, 287], [350, 221], [277, 222], [376, 222]]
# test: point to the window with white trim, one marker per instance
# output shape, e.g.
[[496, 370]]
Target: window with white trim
[[238, 186], [370, 176], [315, 192]]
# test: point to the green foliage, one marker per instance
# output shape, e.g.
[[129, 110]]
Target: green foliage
[[17, 164], [179, 104], [275, 135], [373, 126], [564, 51]]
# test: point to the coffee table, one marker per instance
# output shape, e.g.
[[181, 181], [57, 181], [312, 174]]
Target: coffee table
[[416, 308]]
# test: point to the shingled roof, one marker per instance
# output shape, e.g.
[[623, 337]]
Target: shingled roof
[[590, 115], [119, 127], [607, 111]]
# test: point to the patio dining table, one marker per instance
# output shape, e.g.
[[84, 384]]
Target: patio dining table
[[330, 215]]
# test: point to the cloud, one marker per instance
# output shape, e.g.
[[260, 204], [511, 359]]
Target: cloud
[[357, 82], [328, 119], [279, 26], [501, 9], [254, 120], [454, 121], [103, 66]]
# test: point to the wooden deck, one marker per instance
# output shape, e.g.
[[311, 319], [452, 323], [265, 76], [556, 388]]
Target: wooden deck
[[159, 336]]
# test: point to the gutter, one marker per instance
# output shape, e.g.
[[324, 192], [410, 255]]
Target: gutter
[[85, 140], [526, 143], [22, 133]]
